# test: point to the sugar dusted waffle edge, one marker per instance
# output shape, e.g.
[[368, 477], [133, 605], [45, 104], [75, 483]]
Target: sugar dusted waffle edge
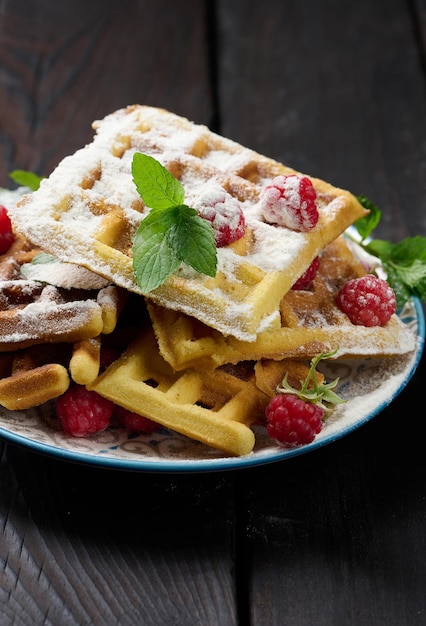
[[311, 322], [87, 210]]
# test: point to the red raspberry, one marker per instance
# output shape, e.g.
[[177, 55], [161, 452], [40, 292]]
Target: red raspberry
[[83, 412], [367, 301], [292, 421], [308, 275], [290, 201], [6, 234], [133, 421], [224, 213]]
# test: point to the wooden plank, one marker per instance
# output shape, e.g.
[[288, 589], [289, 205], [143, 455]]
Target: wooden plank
[[81, 545], [67, 64], [335, 90], [338, 537]]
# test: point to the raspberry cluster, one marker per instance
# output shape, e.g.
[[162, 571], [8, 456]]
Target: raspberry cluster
[[83, 413]]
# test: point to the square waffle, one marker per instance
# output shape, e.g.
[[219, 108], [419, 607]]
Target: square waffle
[[48, 334], [88, 210], [33, 311], [216, 408], [311, 323]]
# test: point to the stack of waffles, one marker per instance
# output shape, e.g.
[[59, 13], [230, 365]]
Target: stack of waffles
[[50, 334], [214, 348]]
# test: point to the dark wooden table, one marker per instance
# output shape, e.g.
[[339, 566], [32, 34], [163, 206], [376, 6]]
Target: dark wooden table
[[337, 90]]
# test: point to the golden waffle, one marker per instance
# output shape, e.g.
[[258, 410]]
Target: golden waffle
[[33, 312], [269, 374], [311, 323], [216, 408], [48, 334], [88, 210], [31, 376]]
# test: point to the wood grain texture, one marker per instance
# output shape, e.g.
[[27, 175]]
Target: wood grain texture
[[338, 538], [87, 546], [66, 64], [334, 89]]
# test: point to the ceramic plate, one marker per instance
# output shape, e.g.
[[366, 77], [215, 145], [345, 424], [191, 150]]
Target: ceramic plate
[[367, 385]]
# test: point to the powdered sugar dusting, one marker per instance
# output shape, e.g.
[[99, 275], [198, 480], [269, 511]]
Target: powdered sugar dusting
[[88, 210], [65, 275], [40, 320]]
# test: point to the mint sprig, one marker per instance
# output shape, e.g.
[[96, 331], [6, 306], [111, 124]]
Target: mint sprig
[[172, 232], [26, 179], [404, 262]]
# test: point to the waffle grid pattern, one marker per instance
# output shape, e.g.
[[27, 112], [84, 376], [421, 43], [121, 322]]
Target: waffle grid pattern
[[88, 210]]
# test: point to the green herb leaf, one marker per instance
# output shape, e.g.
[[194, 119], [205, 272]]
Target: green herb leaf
[[154, 260], [409, 250], [380, 248], [365, 225], [172, 232], [403, 262], [158, 188], [26, 179], [194, 241], [407, 280]]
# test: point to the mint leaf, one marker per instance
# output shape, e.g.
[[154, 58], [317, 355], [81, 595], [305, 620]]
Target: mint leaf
[[154, 260], [311, 390], [194, 241], [402, 290], [414, 276], [158, 188], [172, 233], [379, 248], [409, 249], [26, 179], [365, 225], [406, 280], [403, 262], [42, 258], [165, 238]]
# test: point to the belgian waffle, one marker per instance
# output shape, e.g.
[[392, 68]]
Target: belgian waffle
[[33, 312], [48, 334], [311, 323], [88, 210], [216, 408]]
